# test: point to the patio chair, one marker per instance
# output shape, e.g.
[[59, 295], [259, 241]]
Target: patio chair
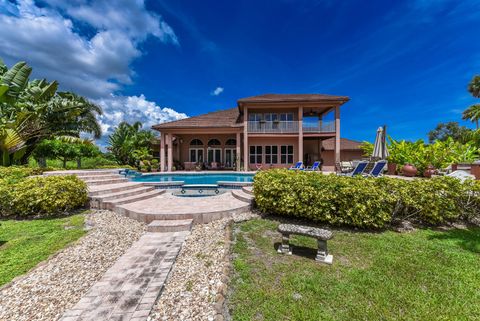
[[314, 167], [344, 167], [358, 169], [377, 169], [298, 166]]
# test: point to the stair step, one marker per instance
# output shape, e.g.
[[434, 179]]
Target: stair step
[[123, 194], [99, 177], [242, 196], [83, 173], [106, 181], [110, 204], [170, 225], [248, 189], [112, 188]]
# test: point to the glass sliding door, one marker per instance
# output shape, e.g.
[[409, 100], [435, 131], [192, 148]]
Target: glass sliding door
[[230, 157]]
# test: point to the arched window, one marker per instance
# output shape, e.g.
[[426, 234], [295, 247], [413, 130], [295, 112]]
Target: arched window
[[196, 142], [214, 142], [231, 142]]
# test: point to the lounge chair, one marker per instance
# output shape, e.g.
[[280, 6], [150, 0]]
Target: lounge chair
[[358, 169], [298, 166], [378, 168], [314, 167]]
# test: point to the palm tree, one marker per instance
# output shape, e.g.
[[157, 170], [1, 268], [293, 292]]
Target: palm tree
[[31, 111], [126, 142], [472, 113]]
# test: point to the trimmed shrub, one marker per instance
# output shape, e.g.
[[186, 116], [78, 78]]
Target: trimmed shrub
[[42, 196], [364, 202]]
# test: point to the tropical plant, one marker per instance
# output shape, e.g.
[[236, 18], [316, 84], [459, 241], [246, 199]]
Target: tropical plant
[[31, 111], [367, 148], [472, 113], [130, 144]]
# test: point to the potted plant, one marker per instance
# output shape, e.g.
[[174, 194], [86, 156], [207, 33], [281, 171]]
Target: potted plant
[[409, 170], [429, 171]]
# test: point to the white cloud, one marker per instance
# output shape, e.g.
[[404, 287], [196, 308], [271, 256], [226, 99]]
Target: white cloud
[[217, 91], [131, 109], [94, 63]]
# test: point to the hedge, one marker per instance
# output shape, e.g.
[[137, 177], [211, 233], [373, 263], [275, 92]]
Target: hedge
[[365, 202], [41, 196]]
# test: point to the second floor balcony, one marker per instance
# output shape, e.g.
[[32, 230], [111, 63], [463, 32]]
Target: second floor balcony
[[290, 127]]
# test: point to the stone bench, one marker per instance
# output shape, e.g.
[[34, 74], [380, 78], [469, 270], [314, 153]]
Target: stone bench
[[321, 235]]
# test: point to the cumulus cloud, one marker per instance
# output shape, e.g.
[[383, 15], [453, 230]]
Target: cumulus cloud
[[88, 46], [217, 91], [131, 109]]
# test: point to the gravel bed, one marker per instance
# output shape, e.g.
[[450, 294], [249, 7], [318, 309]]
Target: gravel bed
[[57, 284], [197, 283]]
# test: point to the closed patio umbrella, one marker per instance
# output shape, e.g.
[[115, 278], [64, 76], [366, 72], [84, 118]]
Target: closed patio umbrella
[[380, 150]]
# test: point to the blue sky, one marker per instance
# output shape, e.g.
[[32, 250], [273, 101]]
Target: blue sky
[[405, 64]]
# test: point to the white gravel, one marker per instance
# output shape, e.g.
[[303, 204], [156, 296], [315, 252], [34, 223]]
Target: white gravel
[[198, 278], [48, 290]]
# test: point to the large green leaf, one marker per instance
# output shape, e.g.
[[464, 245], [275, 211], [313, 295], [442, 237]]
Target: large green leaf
[[17, 78]]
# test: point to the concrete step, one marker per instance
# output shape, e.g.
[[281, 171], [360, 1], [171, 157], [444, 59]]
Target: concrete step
[[242, 196], [123, 194], [100, 177], [110, 204], [83, 172], [170, 225], [248, 189], [107, 181], [111, 188]]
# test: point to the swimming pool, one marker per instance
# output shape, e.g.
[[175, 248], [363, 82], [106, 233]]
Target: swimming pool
[[197, 179]]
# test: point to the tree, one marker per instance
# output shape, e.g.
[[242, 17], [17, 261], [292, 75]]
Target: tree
[[128, 142], [32, 111], [472, 113], [65, 151], [451, 129]]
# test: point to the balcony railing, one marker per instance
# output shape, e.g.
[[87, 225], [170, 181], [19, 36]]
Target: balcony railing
[[289, 127]]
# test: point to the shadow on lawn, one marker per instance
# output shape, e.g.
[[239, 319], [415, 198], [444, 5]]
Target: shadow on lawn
[[297, 250], [468, 239]]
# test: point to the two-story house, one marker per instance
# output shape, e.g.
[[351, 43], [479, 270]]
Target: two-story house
[[272, 130]]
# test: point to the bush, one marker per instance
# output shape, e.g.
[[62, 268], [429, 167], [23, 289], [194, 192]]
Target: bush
[[364, 202], [42, 196], [13, 174]]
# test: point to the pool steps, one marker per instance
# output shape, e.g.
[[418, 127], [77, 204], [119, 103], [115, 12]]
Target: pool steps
[[109, 190]]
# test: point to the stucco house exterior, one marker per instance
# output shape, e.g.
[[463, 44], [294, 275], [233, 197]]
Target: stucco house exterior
[[265, 131]]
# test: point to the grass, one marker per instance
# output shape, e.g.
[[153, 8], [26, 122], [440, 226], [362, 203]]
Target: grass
[[423, 275], [25, 243]]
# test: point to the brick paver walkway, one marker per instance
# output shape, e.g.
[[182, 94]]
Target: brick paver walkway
[[129, 289]]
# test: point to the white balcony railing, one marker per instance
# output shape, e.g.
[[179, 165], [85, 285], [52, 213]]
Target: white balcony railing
[[265, 127], [288, 127]]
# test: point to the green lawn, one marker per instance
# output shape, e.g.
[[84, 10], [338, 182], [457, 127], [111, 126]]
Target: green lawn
[[423, 275], [23, 244]]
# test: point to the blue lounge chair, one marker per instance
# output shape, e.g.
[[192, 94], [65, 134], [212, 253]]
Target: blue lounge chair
[[378, 168], [358, 169], [314, 167], [298, 166]]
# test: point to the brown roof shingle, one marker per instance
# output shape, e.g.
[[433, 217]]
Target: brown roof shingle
[[222, 118], [345, 144], [269, 98]]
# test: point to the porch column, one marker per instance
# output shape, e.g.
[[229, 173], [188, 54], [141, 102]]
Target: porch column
[[169, 153], [337, 134], [300, 134], [238, 155], [177, 154], [245, 139], [162, 152]]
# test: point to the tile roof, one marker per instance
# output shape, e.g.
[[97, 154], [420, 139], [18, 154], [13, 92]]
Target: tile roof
[[292, 98], [222, 118], [345, 144]]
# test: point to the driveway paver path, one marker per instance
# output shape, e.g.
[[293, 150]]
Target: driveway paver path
[[129, 289]]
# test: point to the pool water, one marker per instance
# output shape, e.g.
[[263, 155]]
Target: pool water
[[195, 179]]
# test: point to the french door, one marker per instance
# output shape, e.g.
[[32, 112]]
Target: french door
[[196, 155], [215, 155], [230, 157]]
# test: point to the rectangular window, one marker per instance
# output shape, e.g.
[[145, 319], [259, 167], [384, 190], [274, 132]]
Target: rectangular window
[[286, 116], [255, 117], [256, 154], [286, 154], [271, 117], [271, 154], [196, 155]]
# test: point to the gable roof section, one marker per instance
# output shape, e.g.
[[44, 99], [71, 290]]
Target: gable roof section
[[345, 144], [276, 98], [222, 118]]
